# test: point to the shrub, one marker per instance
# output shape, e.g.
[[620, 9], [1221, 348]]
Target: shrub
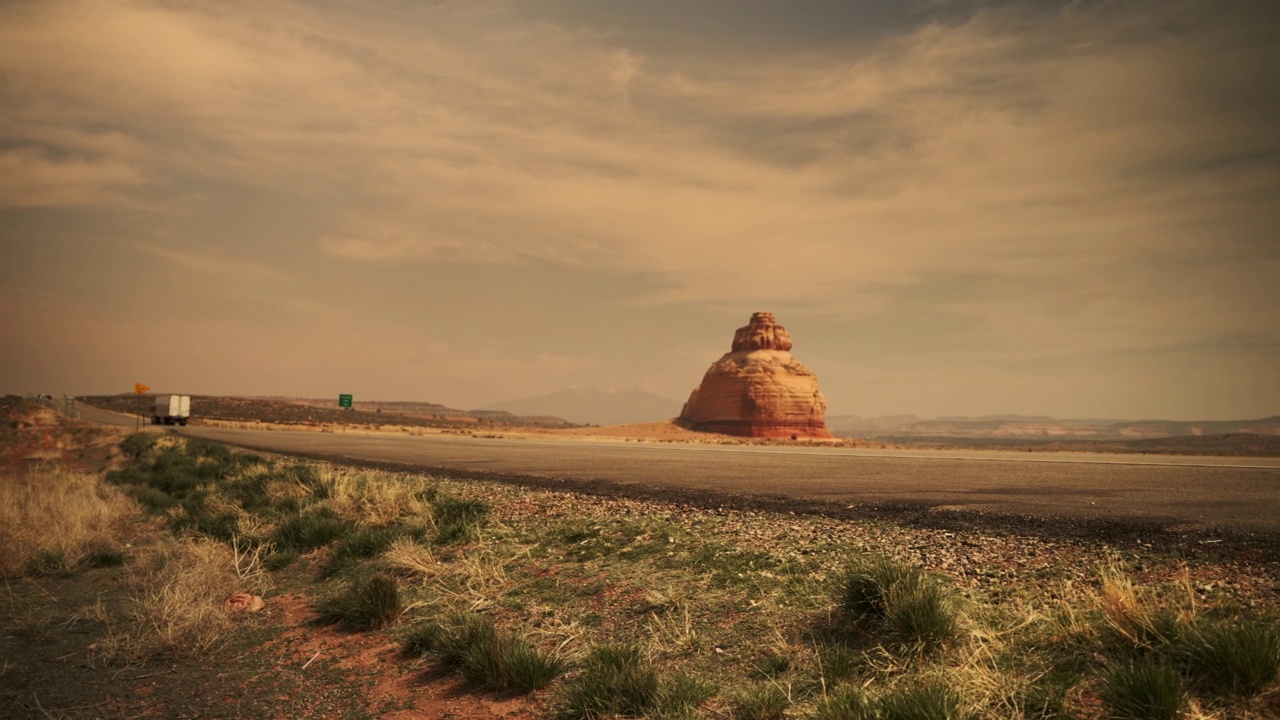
[[1143, 690], [362, 543], [367, 604], [150, 498]]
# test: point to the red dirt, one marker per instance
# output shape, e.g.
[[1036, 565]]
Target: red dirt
[[400, 683]]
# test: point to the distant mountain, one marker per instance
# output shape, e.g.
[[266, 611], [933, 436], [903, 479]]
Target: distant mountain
[[1020, 427], [595, 407]]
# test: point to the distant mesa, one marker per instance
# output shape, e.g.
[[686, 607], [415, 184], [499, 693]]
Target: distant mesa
[[757, 389]]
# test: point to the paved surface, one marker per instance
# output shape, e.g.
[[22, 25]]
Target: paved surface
[[92, 414], [1237, 493]]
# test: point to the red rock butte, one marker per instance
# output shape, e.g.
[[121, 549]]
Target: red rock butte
[[757, 389]]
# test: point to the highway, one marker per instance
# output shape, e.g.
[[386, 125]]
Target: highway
[[88, 412], [1190, 492]]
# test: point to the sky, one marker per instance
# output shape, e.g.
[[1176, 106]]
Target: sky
[[955, 208]]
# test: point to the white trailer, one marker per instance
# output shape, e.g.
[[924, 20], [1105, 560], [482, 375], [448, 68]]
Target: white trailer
[[171, 409]]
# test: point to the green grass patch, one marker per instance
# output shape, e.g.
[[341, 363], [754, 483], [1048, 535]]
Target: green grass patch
[[848, 704], [366, 604], [922, 701], [1230, 658], [616, 680], [311, 530], [762, 702], [915, 611], [458, 519], [484, 655], [1145, 689]]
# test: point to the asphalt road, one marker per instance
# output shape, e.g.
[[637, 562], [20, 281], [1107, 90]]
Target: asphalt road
[[1235, 493], [92, 414]]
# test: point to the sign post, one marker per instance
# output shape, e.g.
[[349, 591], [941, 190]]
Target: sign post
[[138, 389], [344, 401]]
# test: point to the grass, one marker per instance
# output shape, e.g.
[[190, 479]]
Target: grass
[[366, 604], [771, 666], [311, 530], [914, 610], [866, 586], [615, 680], [1144, 690], [458, 519], [1230, 658], [848, 704], [922, 701], [484, 655], [619, 609], [763, 702], [55, 519], [174, 603]]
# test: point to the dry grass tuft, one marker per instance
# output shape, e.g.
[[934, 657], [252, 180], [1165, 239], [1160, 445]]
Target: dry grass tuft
[[1139, 620], [410, 558], [175, 606], [53, 518], [374, 498]]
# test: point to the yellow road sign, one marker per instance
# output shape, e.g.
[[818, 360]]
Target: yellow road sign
[[139, 388]]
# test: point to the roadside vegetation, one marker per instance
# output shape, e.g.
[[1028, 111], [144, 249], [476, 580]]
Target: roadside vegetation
[[598, 608]]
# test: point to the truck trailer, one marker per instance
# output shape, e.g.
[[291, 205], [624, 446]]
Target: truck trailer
[[171, 410]]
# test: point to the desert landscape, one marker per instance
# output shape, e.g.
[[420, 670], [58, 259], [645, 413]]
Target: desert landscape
[[302, 588], [619, 360]]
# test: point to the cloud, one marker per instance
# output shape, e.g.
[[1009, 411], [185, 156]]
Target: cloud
[[209, 265], [1011, 183], [30, 178]]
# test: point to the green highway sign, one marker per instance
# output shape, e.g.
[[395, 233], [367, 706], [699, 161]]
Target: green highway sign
[[344, 401]]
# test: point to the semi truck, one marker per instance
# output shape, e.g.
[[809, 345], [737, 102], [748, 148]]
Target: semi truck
[[171, 410]]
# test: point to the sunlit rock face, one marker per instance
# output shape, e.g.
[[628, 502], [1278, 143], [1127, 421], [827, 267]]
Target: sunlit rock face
[[758, 389]]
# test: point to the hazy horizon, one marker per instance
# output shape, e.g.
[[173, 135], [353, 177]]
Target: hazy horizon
[[955, 208]]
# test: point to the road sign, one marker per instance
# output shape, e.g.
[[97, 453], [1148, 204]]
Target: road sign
[[139, 388], [344, 401]]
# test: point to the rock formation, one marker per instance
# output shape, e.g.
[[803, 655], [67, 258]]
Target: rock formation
[[758, 389]]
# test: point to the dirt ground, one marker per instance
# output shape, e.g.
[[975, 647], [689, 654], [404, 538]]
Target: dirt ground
[[281, 664]]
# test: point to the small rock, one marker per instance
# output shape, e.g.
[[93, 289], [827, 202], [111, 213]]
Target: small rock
[[243, 602]]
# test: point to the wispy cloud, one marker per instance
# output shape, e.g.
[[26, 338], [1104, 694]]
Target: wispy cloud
[[1091, 178], [226, 269]]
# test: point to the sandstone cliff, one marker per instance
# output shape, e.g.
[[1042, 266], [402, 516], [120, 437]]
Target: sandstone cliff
[[758, 389]]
